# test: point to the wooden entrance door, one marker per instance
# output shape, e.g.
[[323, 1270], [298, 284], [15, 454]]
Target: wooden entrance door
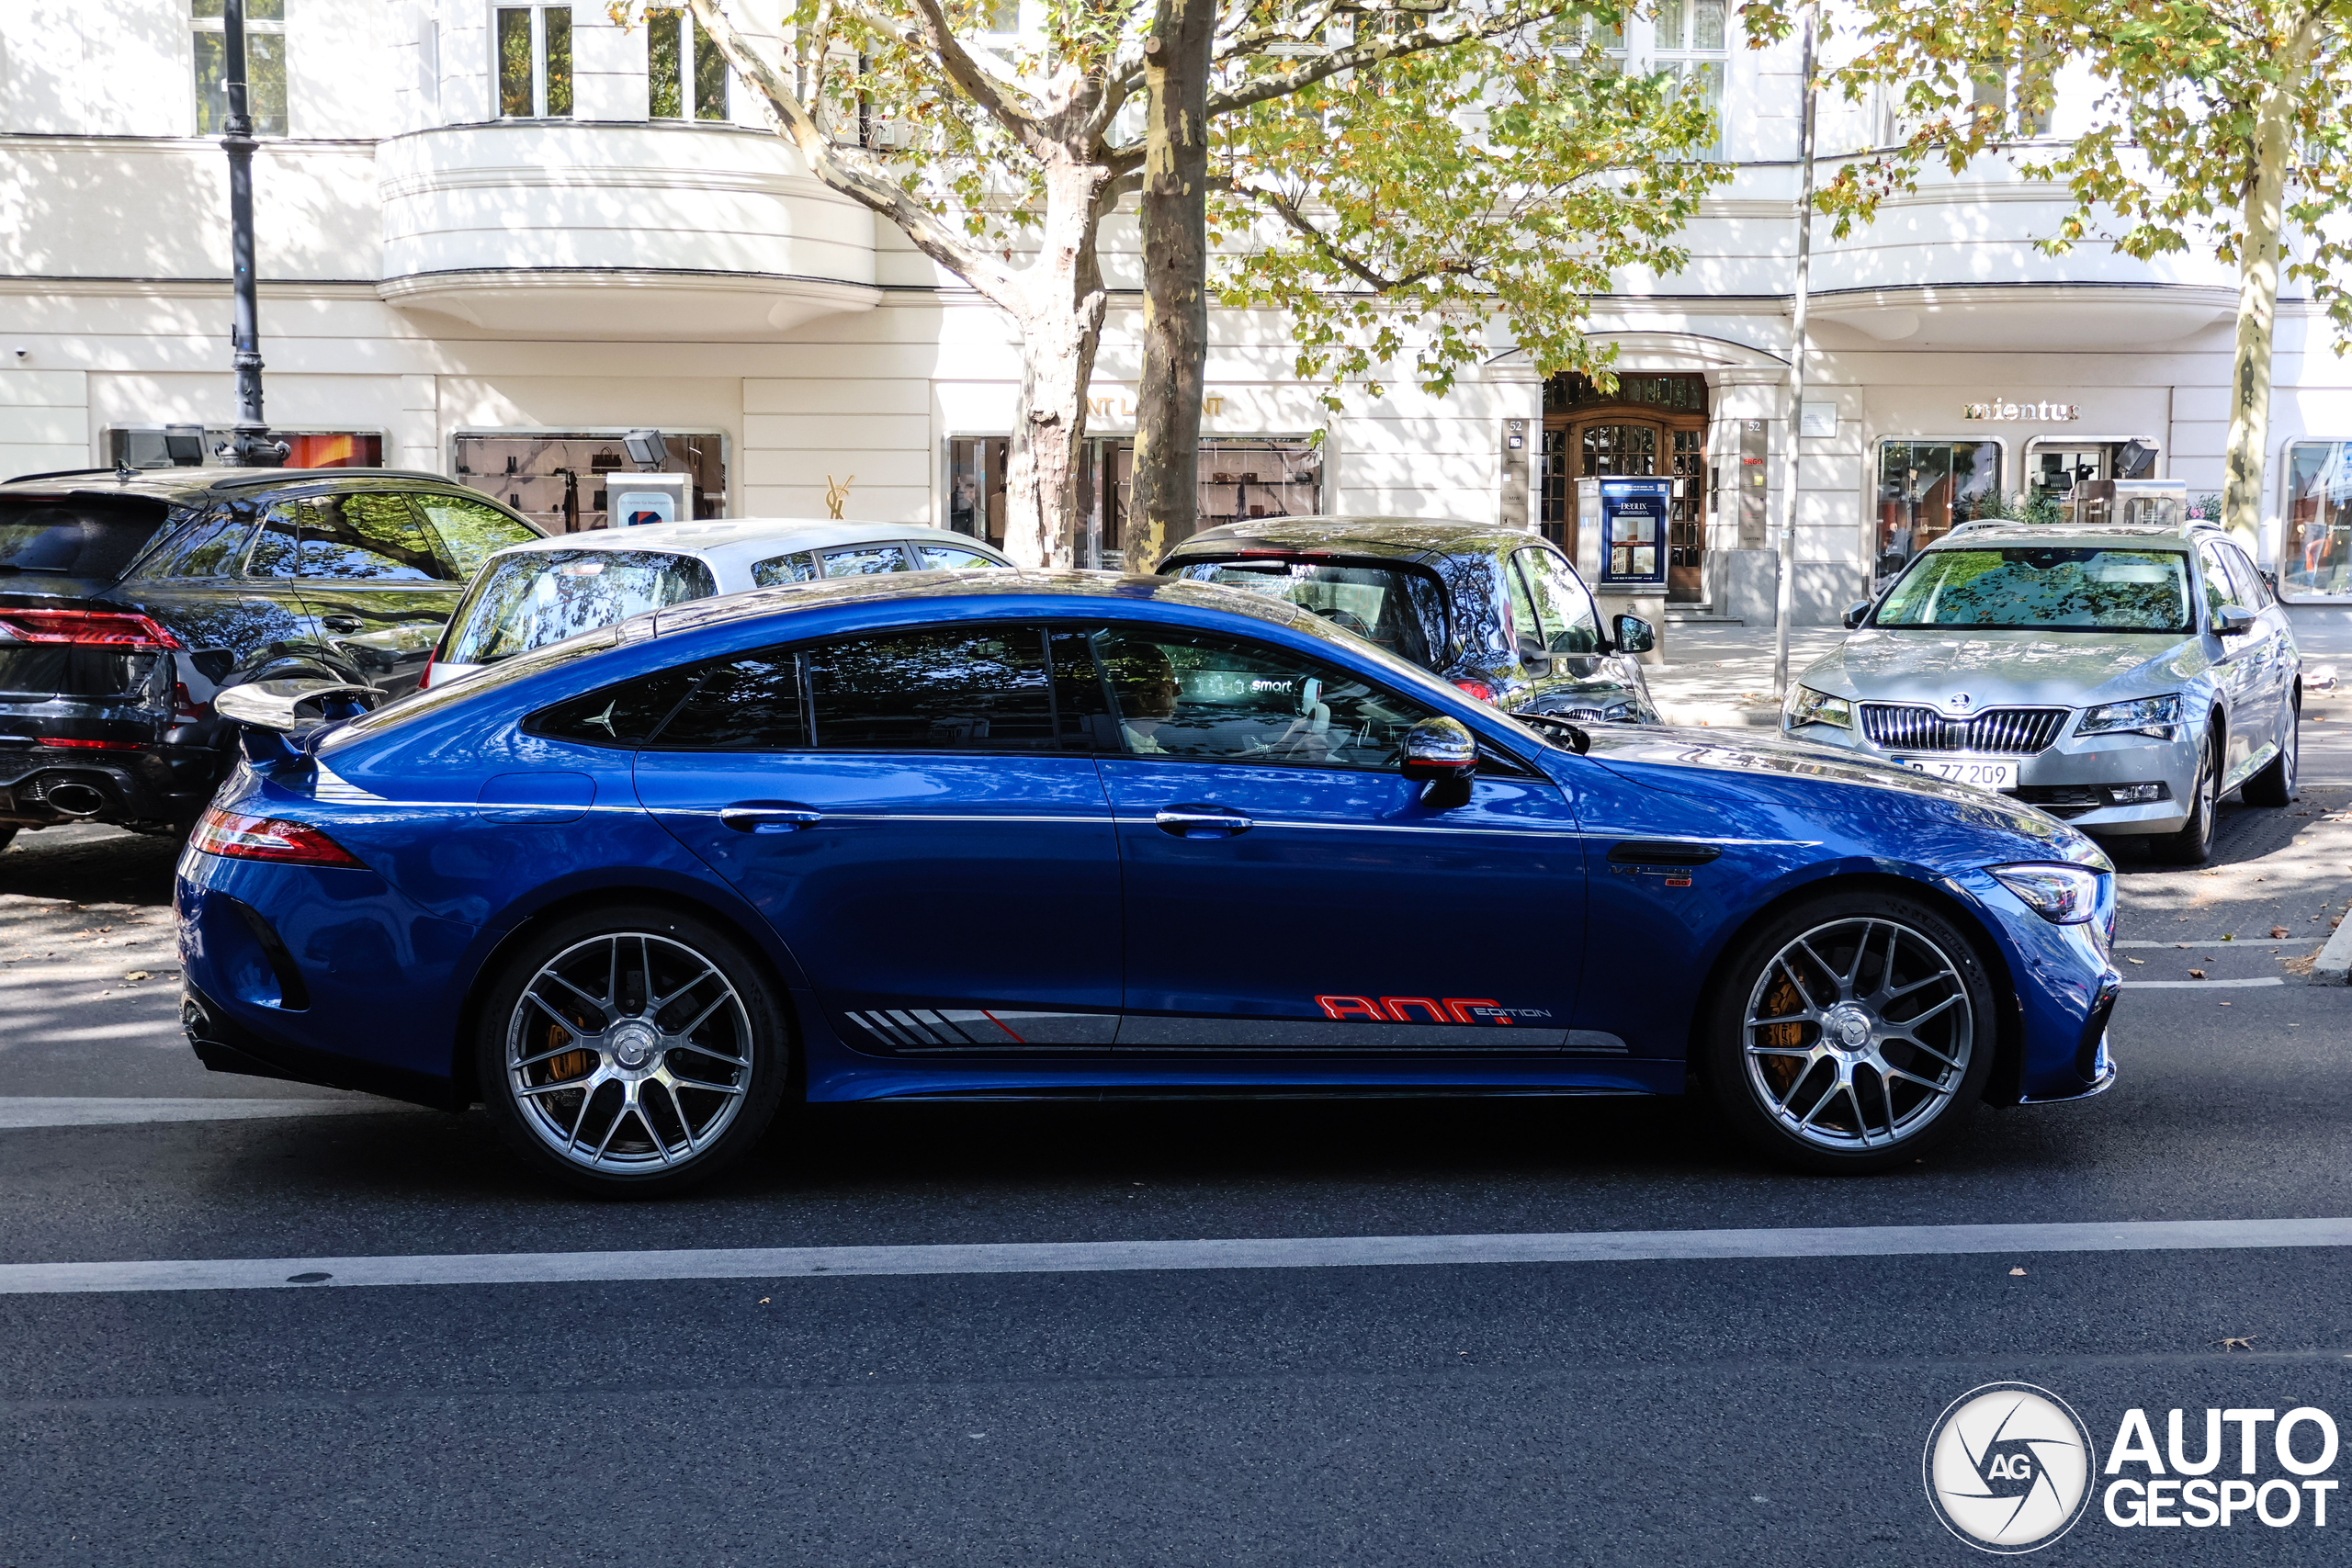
[[1653, 426]]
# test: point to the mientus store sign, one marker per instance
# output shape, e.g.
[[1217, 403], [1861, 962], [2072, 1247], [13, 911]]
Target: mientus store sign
[[2019, 411]]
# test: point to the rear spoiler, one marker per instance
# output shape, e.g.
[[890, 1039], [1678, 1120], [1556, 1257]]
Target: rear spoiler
[[274, 717]]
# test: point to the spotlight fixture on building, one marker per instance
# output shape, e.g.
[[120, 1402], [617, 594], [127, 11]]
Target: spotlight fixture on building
[[647, 450]]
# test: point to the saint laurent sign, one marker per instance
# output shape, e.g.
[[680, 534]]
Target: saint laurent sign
[[2020, 411], [1121, 404]]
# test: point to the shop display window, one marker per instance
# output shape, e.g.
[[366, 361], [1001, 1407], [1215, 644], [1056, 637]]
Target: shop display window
[[1925, 489], [189, 446], [2315, 542], [1241, 477], [562, 479]]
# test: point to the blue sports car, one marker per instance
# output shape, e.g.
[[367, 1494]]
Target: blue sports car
[[1016, 834]]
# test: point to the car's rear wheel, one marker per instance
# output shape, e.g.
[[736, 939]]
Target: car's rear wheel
[[2276, 784], [632, 1052], [2193, 843], [1851, 1034]]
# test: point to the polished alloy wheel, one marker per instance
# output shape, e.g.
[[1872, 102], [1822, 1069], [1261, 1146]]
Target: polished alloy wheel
[[628, 1053], [1859, 1034]]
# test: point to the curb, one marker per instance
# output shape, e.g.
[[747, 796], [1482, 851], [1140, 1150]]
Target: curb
[[2334, 965]]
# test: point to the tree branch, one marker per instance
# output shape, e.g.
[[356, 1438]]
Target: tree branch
[[1356, 56], [978, 83], [1287, 211], [837, 167]]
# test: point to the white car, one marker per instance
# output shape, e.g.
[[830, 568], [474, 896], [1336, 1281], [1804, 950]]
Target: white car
[[536, 593]]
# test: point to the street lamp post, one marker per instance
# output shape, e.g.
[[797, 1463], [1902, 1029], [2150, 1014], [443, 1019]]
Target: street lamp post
[[249, 445], [1785, 601]]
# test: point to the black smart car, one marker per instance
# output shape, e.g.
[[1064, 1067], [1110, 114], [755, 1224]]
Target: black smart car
[[1500, 614], [128, 599]]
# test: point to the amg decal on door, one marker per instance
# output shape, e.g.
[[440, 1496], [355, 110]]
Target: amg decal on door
[[1425, 1010]]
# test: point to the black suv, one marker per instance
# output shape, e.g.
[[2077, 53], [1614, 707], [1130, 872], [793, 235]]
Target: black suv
[[1499, 613], [128, 599]]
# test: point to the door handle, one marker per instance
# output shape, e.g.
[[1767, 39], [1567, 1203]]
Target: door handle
[[769, 818], [1202, 821], [341, 623]]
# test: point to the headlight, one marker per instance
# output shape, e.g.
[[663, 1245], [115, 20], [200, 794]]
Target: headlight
[[2144, 715], [2062, 894], [1809, 706]]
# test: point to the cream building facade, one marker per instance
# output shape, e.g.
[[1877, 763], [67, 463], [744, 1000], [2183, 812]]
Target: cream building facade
[[493, 237]]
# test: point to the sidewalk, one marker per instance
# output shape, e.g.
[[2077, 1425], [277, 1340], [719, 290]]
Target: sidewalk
[[1722, 675]]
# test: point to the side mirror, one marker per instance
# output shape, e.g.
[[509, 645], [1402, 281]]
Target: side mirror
[[2231, 620], [1439, 750], [1857, 614], [1635, 635]]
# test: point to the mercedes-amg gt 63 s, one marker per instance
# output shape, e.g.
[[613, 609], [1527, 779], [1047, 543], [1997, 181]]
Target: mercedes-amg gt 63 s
[[1009, 834]]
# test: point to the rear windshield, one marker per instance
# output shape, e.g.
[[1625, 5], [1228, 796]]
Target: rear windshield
[[2042, 588], [76, 535], [1398, 608], [528, 601]]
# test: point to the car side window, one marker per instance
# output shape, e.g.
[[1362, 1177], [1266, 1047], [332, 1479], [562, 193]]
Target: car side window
[[211, 548], [951, 558], [470, 531], [278, 546], [957, 689], [747, 702], [1563, 609], [865, 561], [2218, 587], [625, 715], [1203, 696], [799, 567], [1527, 630], [365, 537], [2253, 593]]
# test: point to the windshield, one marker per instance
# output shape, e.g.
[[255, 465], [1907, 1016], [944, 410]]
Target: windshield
[[2042, 588], [76, 535], [1396, 607], [527, 601]]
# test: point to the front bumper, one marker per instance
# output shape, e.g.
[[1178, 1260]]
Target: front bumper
[[2072, 779]]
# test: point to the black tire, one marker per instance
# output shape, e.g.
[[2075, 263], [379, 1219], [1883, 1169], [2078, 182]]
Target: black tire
[[2193, 843], [1809, 1095], [2279, 784], [671, 1099]]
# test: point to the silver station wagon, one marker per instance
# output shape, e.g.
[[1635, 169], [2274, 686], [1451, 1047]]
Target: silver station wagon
[[2124, 678], [551, 588]]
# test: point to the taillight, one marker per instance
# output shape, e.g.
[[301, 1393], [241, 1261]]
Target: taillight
[[240, 835], [111, 627], [427, 679], [1479, 689], [185, 707], [91, 745]]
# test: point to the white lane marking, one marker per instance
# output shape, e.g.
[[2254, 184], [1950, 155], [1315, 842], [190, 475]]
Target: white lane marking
[[1115, 1256], [68, 1110], [2196, 985], [2234, 942]]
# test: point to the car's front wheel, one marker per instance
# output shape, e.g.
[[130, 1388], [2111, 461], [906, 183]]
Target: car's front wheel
[[1851, 1034], [631, 1052], [2192, 843]]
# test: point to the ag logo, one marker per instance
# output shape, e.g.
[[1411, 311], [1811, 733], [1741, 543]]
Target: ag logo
[[2009, 1468]]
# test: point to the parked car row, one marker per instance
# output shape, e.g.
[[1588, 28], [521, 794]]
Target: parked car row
[[1324, 806]]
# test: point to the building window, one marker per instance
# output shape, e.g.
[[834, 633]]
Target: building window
[[1241, 477], [534, 62], [680, 58], [190, 446], [1688, 40], [563, 480], [1924, 489], [264, 66], [2315, 546]]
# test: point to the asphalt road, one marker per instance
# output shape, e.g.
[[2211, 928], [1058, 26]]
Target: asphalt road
[[1745, 1411]]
